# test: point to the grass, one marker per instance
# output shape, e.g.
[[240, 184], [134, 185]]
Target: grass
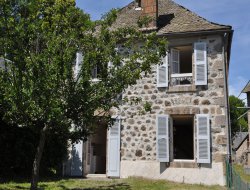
[[118, 184], [240, 170]]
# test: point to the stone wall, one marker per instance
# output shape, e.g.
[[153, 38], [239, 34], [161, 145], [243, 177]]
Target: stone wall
[[138, 134], [149, 169]]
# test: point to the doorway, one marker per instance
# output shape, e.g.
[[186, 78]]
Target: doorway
[[183, 137], [95, 152]]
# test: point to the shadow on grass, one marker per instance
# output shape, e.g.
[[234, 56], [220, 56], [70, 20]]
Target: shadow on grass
[[118, 186], [42, 179]]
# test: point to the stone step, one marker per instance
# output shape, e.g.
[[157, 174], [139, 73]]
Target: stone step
[[93, 176]]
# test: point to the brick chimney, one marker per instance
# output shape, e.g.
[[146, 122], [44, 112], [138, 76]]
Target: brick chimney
[[150, 9]]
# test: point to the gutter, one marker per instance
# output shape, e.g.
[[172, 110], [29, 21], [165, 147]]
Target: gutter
[[227, 39], [200, 32]]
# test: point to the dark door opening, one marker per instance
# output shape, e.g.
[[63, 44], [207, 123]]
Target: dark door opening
[[183, 137], [95, 152]]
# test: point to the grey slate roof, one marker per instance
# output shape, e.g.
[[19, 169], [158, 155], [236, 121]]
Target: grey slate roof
[[247, 88], [173, 18], [238, 139]]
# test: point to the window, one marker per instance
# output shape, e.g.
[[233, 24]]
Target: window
[[138, 5], [184, 65], [95, 72], [183, 137], [181, 65]]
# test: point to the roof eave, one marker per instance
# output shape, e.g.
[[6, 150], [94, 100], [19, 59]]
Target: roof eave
[[198, 32]]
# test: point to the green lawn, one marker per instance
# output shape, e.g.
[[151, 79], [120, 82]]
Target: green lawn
[[240, 170], [119, 184]]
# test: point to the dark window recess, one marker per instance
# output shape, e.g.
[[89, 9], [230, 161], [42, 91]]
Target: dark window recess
[[138, 3], [186, 59], [181, 63], [95, 72], [183, 138]]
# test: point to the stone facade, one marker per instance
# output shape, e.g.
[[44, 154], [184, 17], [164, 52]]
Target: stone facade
[[138, 135], [138, 131]]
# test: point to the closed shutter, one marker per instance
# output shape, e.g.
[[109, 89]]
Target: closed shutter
[[203, 138], [175, 61], [200, 58], [79, 60], [162, 138], [162, 73], [110, 64], [76, 162], [114, 149]]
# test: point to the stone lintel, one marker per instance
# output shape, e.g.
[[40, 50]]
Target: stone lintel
[[184, 110]]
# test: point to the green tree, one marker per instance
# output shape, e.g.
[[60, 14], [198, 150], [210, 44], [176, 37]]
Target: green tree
[[38, 86], [237, 124]]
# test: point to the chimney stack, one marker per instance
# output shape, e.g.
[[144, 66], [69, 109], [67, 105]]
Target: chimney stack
[[150, 9]]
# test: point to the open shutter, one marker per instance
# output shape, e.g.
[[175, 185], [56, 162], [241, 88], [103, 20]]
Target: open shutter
[[162, 138], [203, 138], [175, 61], [114, 149], [110, 64], [79, 60], [162, 72], [76, 162], [200, 58]]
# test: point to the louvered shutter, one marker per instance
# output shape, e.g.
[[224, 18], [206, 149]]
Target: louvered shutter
[[76, 162], [114, 149], [162, 138], [203, 138], [79, 60], [110, 64], [175, 61], [200, 58], [162, 73]]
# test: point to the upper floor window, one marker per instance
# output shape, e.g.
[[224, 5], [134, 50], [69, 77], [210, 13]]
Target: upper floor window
[[181, 65], [95, 72], [138, 5], [184, 65]]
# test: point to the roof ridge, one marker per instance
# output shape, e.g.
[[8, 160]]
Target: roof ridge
[[173, 19]]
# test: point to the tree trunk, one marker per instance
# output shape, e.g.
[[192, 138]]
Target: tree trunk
[[37, 160]]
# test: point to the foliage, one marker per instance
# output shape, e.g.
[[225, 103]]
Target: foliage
[[240, 171], [118, 184], [144, 21], [241, 124], [39, 89], [18, 146], [147, 106], [17, 151]]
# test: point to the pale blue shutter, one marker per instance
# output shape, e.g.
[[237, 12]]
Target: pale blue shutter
[[79, 60], [114, 149], [200, 61], [162, 72], [162, 123], [203, 138], [175, 61], [76, 164]]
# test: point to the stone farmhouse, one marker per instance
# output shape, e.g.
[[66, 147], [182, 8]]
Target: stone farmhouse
[[185, 135]]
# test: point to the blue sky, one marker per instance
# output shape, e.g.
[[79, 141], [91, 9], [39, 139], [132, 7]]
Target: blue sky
[[235, 13]]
